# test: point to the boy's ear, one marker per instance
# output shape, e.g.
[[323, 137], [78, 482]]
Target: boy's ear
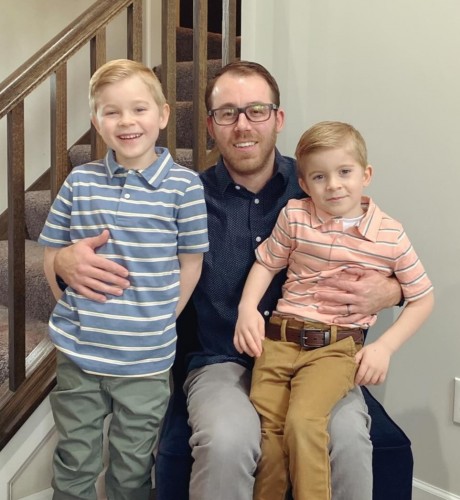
[[95, 122], [164, 116], [368, 171], [303, 185]]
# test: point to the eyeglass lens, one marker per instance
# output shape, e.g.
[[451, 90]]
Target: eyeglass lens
[[254, 113]]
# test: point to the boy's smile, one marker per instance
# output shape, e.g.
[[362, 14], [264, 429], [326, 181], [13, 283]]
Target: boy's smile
[[129, 121], [335, 181]]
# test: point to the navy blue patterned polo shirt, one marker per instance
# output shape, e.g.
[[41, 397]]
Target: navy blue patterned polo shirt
[[238, 221]]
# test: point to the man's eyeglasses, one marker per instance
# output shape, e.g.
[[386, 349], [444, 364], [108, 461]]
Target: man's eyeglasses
[[254, 113]]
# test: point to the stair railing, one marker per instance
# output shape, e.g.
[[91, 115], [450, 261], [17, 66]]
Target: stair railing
[[30, 382], [201, 158]]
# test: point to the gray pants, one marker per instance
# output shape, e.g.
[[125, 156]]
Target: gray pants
[[225, 438]]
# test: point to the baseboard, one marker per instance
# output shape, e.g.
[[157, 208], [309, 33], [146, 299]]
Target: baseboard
[[42, 495], [425, 491]]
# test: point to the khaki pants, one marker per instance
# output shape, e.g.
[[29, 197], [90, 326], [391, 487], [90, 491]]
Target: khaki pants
[[294, 391]]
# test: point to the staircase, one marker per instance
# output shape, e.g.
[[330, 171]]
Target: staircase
[[39, 300]]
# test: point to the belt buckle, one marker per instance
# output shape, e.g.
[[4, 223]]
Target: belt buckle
[[304, 337]]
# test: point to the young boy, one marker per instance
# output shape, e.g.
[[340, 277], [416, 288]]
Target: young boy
[[308, 362], [114, 358]]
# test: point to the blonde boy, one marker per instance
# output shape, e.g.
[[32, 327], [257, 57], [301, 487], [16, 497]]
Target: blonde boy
[[114, 357], [308, 362]]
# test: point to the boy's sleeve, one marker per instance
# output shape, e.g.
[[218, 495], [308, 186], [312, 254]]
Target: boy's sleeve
[[192, 220], [273, 253], [56, 231], [410, 271]]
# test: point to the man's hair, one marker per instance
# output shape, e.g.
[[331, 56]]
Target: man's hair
[[243, 68], [116, 71], [331, 135]]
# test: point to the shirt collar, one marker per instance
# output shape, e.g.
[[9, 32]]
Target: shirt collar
[[368, 227], [224, 180], [153, 174]]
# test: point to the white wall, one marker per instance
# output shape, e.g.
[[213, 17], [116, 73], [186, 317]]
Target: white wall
[[22, 33], [393, 70]]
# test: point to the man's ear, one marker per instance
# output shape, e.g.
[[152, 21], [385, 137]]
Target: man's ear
[[279, 120], [210, 126]]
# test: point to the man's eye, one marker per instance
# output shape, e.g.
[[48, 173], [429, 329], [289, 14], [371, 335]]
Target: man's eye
[[227, 113]]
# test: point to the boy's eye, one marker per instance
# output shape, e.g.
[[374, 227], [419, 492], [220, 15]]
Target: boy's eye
[[318, 177], [140, 110], [345, 171]]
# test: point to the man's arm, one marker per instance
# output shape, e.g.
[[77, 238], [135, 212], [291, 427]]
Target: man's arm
[[358, 293], [190, 272], [88, 273], [48, 266]]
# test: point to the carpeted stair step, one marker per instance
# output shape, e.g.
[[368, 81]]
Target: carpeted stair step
[[81, 154], [39, 299], [37, 206], [184, 45], [184, 77]]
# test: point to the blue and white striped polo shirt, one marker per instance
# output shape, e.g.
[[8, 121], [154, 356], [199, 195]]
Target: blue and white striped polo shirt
[[152, 216]]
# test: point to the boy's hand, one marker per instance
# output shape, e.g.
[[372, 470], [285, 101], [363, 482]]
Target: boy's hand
[[373, 363], [249, 332], [88, 273]]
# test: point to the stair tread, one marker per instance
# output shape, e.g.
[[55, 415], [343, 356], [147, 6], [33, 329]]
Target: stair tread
[[36, 283]]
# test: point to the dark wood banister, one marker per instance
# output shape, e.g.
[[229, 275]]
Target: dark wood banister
[[27, 390]]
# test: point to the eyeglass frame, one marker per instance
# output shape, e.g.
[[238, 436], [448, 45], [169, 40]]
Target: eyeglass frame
[[271, 107]]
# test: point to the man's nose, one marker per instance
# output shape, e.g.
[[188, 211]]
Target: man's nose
[[242, 122]]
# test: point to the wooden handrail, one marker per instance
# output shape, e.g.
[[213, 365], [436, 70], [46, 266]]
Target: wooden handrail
[[31, 380], [46, 61]]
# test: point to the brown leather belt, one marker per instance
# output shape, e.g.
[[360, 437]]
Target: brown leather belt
[[310, 334]]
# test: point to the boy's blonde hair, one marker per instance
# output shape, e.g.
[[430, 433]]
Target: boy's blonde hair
[[119, 69], [331, 135]]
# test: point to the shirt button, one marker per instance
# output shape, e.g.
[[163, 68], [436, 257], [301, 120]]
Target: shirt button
[[266, 313], [238, 187], [258, 239], [127, 196], [257, 201]]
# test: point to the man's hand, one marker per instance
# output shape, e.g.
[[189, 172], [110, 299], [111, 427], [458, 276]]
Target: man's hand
[[358, 293], [88, 273]]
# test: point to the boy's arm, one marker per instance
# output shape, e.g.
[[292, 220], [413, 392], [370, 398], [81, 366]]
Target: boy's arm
[[250, 327], [48, 266], [374, 359], [190, 271]]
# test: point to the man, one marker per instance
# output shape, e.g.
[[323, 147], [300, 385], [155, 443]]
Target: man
[[244, 193]]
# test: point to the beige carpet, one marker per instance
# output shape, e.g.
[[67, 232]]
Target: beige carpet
[[35, 332]]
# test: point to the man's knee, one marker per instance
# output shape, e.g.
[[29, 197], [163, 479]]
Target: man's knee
[[227, 441]]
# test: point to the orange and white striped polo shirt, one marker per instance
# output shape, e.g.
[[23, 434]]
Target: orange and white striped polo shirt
[[313, 245]]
